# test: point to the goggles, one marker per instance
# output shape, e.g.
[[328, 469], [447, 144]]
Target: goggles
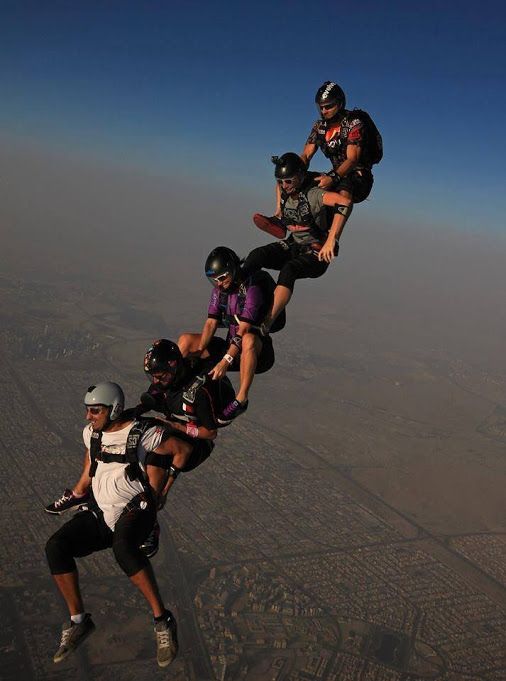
[[94, 410], [287, 180], [327, 107], [218, 278]]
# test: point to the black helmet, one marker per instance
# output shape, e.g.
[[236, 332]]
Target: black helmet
[[163, 355], [330, 93], [288, 165], [222, 261]]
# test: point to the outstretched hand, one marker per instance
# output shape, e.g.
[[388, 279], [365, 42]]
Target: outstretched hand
[[219, 370], [326, 252]]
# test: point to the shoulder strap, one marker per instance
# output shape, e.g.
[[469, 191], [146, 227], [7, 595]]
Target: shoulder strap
[[130, 456], [136, 432], [95, 449]]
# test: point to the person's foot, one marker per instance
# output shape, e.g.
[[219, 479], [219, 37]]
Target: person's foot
[[232, 411], [73, 635], [166, 641], [271, 225], [150, 545], [67, 501]]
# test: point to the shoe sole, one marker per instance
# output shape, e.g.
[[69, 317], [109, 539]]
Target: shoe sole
[[266, 225], [166, 663], [83, 638], [61, 512]]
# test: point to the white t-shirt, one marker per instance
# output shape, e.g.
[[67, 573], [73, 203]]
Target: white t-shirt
[[111, 486]]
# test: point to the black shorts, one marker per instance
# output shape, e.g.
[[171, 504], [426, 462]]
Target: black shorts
[[358, 182], [87, 533], [287, 257], [219, 346]]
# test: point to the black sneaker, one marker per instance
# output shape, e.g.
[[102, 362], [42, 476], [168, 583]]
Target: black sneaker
[[67, 501], [166, 641], [73, 635], [151, 544], [232, 411]]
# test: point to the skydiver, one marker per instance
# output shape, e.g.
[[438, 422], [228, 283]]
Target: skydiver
[[240, 304], [189, 403], [349, 139], [117, 451], [346, 138], [312, 243]]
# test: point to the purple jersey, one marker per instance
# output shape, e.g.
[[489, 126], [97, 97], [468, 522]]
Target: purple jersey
[[248, 304]]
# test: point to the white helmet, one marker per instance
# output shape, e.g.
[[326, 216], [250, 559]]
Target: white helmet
[[107, 395]]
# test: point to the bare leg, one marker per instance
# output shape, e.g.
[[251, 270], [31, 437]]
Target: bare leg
[[188, 343], [251, 348], [180, 451], [68, 586], [282, 295], [145, 581]]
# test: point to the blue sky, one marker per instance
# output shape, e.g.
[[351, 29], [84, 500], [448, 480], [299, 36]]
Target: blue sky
[[211, 90]]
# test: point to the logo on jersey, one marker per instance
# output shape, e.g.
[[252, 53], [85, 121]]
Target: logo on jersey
[[332, 136]]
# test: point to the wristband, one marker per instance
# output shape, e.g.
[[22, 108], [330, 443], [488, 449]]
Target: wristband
[[192, 430], [228, 358]]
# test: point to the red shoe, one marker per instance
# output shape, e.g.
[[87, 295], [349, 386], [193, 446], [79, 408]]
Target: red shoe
[[272, 225]]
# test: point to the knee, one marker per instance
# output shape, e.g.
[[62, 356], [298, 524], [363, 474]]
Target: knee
[[58, 555], [180, 450], [184, 342], [130, 558], [253, 259], [286, 280]]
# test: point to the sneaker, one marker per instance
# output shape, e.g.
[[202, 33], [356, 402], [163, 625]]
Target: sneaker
[[150, 545], [272, 225], [67, 501], [232, 411], [166, 641], [73, 635]]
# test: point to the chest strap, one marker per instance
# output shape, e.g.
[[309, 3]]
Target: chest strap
[[130, 456]]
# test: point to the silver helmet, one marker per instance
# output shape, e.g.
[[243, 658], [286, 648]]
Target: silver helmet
[[106, 394]]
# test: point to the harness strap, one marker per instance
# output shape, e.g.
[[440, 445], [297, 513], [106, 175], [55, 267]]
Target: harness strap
[[130, 456]]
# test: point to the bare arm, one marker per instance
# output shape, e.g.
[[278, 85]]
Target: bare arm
[[220, 369], [208, 331], [84, 482], [201, 432], [308, 152], [353, 152], [352, 158]]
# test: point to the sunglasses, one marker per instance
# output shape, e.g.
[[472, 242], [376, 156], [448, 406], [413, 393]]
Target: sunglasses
[[94, 410], [219, 278], [327, 107]]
